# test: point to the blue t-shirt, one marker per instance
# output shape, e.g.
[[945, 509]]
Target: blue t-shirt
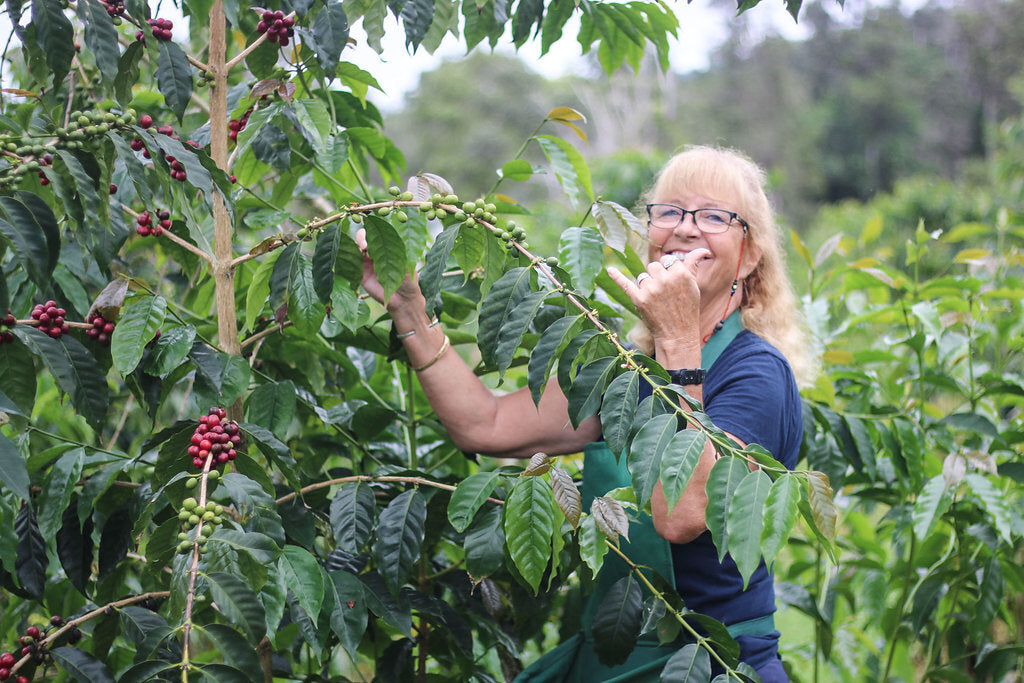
[[751, 393]]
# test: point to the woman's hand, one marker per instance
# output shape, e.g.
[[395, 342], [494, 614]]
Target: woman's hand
[[667, 295], [408, 292]]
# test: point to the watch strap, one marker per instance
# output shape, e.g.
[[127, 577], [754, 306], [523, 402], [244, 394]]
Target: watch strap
[[687, 377]]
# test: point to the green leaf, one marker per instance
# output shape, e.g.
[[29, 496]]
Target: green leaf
[[330, 33], [617, 409], [434, 265], [272, 404], [324, 255], [725, 476], [259, 289], [285, 268], [349, 616], [238, 603], [236, 651], [745, 521], [471, 250], [305, 309], [780, 512], [383, 603], [399, 537], [196, 171], [128, 73], [57, 490], [145, 671], [18, 376], [384, 245], [170, 350], [517, 169], [275, 451], [13, 471], [617, 621], [484, 543], [543, 354], [81, 666], [679, 461], [314, 122], [352, 516], [174, 77], [100, 36], [304, 577], [568, 165], [75, 548], [691, 664], [567, 365], [514, 326], [133, 166], [76, 371], [56, 37], [994, 503], [529, 523], [468, 496], [136, 327], [645, 453], [497, 307], [41, 218], [592, 545], [27, 241], [30, 556], [588, 388], [259, 546], [581, 253], [85, 185], [931, 504], [990, 597]]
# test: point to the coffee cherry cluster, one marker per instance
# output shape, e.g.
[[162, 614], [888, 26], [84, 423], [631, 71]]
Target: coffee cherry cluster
[[161, 28], [7, 323], [101, 330], [235, 126], [215, 437], [515, 233], [32, 646], [51, 319], [115, 8], [191, 514], [145, 226], [276, 26]]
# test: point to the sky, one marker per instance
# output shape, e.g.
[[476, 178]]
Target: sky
[[701, 24]]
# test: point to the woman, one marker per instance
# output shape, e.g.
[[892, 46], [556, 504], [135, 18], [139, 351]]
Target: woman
[[714, 298]]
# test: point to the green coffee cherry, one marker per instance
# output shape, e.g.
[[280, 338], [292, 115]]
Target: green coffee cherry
[[189, 503], [193, 520], [394, 191]]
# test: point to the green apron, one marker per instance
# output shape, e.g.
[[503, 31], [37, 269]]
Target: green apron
[[574, 661]]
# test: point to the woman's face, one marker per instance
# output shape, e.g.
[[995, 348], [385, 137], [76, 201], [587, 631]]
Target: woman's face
[[716, 272]]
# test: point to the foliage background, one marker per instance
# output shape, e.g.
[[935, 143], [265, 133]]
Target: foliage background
[[894, 150]]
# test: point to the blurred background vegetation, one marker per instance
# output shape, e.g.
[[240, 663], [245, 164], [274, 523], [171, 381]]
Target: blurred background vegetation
[[877, 111]]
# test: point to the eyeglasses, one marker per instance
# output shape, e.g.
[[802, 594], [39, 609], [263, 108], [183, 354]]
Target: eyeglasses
[[713, 221]]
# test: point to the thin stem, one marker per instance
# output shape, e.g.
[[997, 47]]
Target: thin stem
[[700, 640], [58, 437], [900, 604], [98, 612], [418, 481], [265, 333]]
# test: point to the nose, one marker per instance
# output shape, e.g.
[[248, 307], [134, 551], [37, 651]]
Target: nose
[[688, 225]]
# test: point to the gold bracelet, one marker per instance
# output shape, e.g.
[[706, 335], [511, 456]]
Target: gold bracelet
[[444, 347]]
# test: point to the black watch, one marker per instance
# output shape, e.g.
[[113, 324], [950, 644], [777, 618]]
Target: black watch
[[687, 377]]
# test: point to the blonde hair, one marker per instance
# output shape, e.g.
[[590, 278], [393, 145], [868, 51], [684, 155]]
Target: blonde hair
[[769, 306]]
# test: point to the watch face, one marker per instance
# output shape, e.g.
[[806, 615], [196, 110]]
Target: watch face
[[687, 377]]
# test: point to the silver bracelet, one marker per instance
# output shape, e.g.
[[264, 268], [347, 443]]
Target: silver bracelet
[[406, 335]]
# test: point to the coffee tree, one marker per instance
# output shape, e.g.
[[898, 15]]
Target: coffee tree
[[215, 461]]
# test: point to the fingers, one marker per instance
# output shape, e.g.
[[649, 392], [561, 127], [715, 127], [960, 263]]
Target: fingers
[[626, 284], [361, 240]]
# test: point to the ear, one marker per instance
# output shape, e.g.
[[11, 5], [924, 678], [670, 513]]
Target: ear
[[751, 257]]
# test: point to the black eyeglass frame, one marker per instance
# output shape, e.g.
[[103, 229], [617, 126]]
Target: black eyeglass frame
[[733, 216]]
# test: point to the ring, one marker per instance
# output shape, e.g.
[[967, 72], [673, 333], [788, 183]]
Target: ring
[[669, 261], [641, 277]]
